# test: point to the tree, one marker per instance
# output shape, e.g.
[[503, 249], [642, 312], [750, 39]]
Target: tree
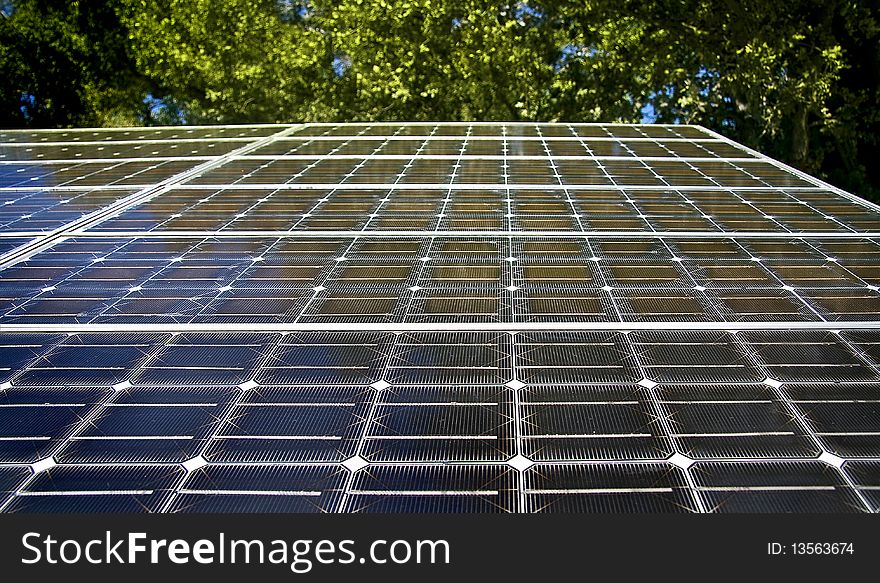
[[798, 80], [66, 63], [233, 61], [437, 59]]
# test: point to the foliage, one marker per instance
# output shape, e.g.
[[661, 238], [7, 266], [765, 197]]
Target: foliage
[[231, 61], [799, 80], [65, 63]]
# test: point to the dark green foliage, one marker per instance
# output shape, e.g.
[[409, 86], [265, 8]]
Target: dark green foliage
[[66, 63]]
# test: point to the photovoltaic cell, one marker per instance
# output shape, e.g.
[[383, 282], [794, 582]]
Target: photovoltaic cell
[[613, 488], [74, 136], [90, 360], [261, 488], [746, 421], [88, 174], [866, 476], [98, 488], [46, 210], [149, 425], [784, 486], [294, 424], [444, 423], [431, 317], [436, 488], [36, 421], [597, 422]]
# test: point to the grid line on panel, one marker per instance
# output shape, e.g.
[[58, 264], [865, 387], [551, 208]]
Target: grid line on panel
[[159, 128], [653, 172], [320, 287], [560, 181], [343, 257], [665, 210], [390, 234], [132, 142], [243, 214], [781, 393], [629, 199], [83, 424], [782, 283], [42, 212], [795, 171], [508, 199], [703, 300], [437, 157], [218, 298], [861, 354], [663, 416], [516, 386], [120, 160], [684, 276], [366, 138], [378, 209], [617, 315], [456, 168], [442, 186], [424, 265], [127, 202], [68, 188], [222, 421], [358, 461], [449, 327], [110, 164], [844, 267], [705, 215], [798, 201]]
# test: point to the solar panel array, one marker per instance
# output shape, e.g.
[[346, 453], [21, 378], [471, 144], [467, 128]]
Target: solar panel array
[[432, 317]]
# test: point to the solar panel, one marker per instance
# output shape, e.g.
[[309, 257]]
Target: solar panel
[[432, 317]]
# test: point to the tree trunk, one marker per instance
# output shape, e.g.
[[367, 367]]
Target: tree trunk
[[799, 139]]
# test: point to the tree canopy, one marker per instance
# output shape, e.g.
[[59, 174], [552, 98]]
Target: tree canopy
[[799, 80]]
